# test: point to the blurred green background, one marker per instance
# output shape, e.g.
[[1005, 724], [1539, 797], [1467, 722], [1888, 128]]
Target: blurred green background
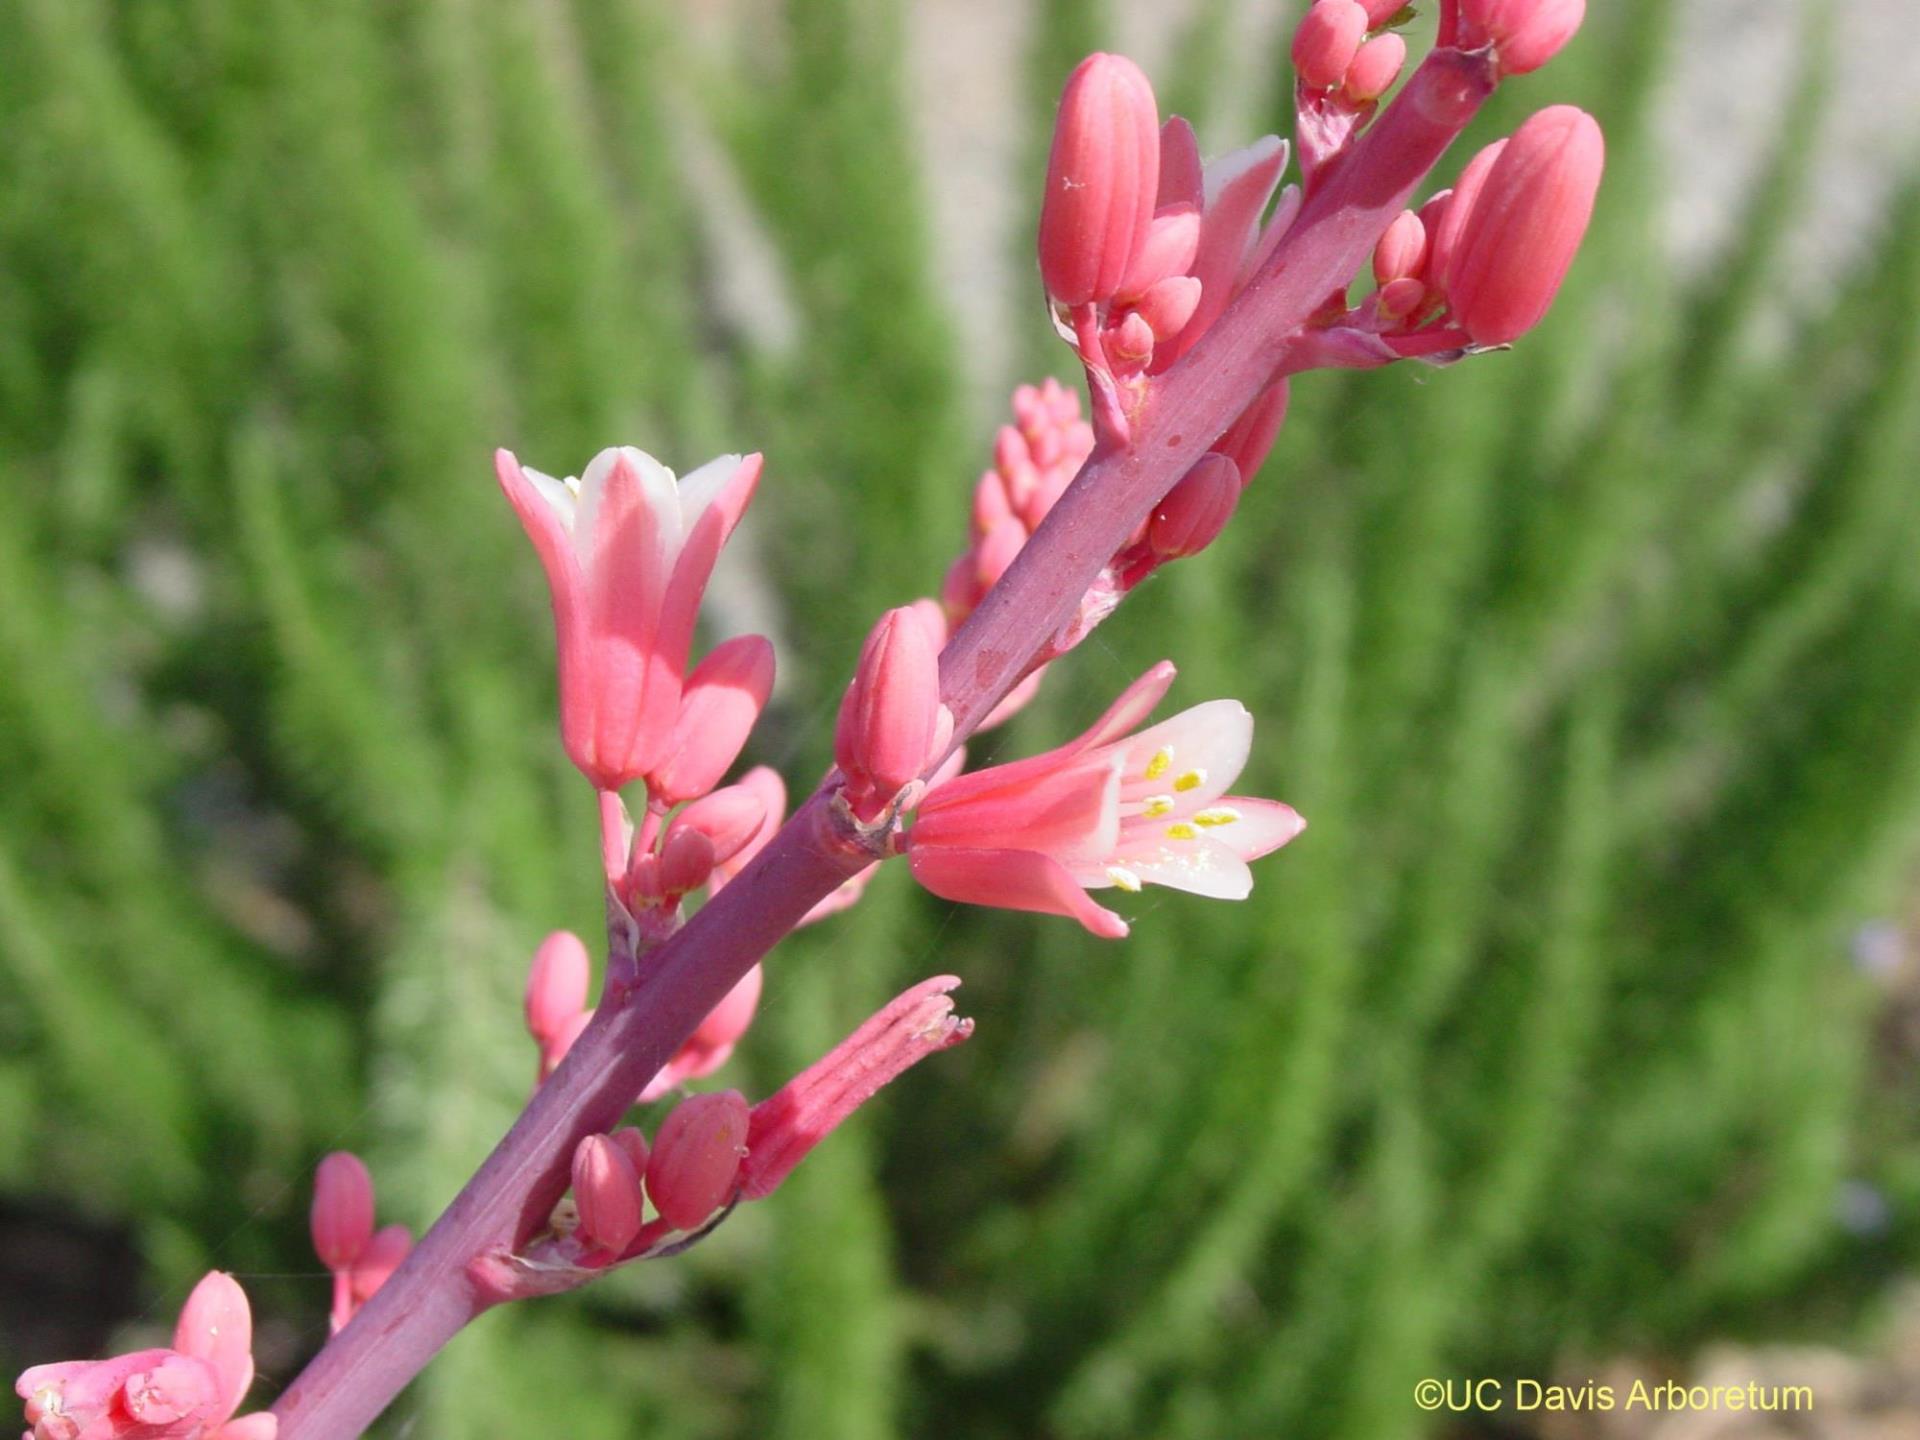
[[1596, 668]]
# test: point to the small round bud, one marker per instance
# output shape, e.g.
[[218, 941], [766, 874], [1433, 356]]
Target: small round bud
[[1402, 249]]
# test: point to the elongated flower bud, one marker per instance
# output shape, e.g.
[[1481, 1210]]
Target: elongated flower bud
[[342, 1215], [606, 1192], [892, 723], [722, 699], [1197, 509], [1326, 42], [696, 1157], [1525, 34], [1102, 179], [1526, 226], [557, 985]]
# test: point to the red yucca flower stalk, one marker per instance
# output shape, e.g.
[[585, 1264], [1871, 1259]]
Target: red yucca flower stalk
[[1192, 291]]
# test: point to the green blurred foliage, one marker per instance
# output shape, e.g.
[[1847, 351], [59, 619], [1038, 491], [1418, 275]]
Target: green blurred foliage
[[1596, 668]]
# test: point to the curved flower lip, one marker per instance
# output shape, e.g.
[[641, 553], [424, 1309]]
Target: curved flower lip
[[1011, 880], [628, 550], [1109, 809]]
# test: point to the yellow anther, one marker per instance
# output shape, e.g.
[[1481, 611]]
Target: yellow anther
[[1157, 805], [1162, 759], [1181, 830], [1124, 878], [1216, 815], [1192, 780]]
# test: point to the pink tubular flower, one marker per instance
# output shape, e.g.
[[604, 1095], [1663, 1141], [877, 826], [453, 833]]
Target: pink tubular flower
[[627, 550], [187, 1393], [1101, 178], [696, 1157], [784, 1127], [1524, 226], [1109, 809], [892, 723]]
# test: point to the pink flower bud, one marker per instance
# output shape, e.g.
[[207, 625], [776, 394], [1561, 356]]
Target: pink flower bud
[[1402, 249], [342, 1214], [1168, 306], [686, 860], [1326, 42], [1443, 236], [1379, 12], [1103, 176], [1376, 65], [1525, 34], [809, 1107], [1526, 226], [1172, 241], [1253, 434], [696, 1157], [634, 1145], [1197, 509], [556, 985], [892, 723], [606, 1192], [729, 817], [383, 1255], [722, 699], [728, 1020]]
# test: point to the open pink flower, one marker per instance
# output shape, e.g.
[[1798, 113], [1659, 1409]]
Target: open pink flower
[[187, 1393], [628, 550], [1109, 809]]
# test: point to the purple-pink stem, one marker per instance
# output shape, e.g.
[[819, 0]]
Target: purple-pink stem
[[440, 1288]]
